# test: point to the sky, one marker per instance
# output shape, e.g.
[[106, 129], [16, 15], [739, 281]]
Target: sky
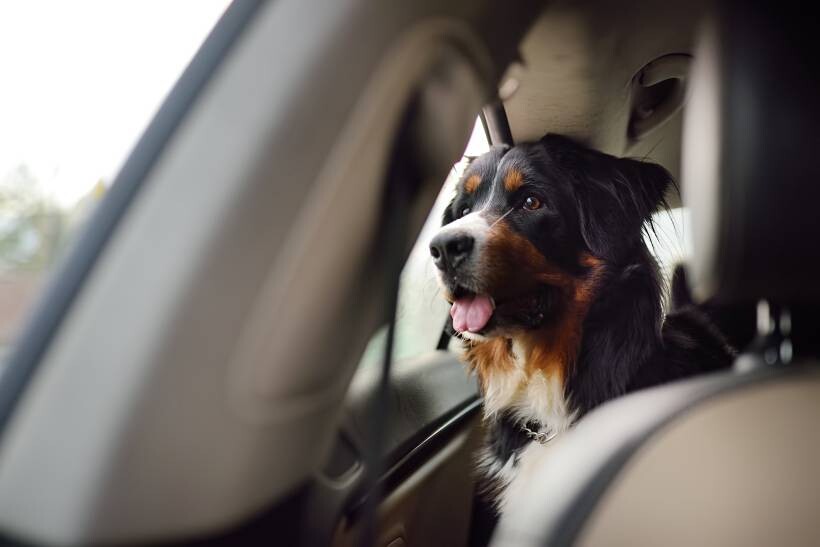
[[81, 79]]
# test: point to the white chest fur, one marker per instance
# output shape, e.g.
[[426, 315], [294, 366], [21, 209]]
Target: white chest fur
[[531, 396]]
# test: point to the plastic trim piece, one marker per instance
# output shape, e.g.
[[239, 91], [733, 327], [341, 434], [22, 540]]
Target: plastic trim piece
[[497, 125], [409, 462]]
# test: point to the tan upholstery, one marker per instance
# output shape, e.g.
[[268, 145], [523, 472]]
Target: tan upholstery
[[740, 469]]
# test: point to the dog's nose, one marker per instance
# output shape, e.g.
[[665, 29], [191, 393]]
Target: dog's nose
[[450, 249]]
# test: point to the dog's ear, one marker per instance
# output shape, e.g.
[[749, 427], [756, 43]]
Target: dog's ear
[[616, 196], [648, 183]]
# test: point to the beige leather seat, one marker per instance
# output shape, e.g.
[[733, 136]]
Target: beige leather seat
[[730, 458]]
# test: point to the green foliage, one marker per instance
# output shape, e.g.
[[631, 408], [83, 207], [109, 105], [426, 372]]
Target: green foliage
[[32, 225]]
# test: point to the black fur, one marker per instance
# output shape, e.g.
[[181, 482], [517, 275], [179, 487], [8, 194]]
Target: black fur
[[506, 438], [485, 167], [629, 345]]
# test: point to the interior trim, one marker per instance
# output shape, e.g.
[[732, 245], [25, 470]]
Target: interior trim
[[497, 125], [484, 126], [409, 462]]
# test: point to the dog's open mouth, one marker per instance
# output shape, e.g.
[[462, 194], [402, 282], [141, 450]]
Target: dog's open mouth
[[479, 313], [472, 312]]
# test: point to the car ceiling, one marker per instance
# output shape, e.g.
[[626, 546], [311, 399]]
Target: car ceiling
[[577, 64]]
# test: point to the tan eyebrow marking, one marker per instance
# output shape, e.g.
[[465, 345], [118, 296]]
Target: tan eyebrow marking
[[513, 180], [471, 183]]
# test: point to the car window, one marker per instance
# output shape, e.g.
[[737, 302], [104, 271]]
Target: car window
[[81, 81], [421, 310]]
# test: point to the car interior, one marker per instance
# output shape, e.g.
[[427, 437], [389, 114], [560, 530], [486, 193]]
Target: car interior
[[240, 370]]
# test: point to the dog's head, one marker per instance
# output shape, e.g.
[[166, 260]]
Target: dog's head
[[528, 222]]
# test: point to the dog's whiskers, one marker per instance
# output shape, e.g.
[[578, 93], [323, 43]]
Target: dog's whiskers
[[502, 217]]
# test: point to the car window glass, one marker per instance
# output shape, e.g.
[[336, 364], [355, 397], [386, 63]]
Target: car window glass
[[421, 310], [81, 81]]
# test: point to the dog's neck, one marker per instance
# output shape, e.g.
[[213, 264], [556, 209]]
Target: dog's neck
[[520, 380], [525, 375], [557, 373]]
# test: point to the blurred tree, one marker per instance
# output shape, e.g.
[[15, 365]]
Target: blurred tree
[[32, 225]]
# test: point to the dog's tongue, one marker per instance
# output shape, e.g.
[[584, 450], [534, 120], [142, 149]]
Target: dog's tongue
[[471, 314]]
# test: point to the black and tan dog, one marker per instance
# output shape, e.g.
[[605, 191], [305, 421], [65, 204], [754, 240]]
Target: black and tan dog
[[555, 293]]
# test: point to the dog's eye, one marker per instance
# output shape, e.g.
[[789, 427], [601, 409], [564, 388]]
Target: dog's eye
[[532, 203], [465, 211]]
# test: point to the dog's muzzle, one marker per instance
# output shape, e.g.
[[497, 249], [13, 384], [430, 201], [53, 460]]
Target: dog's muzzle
[[457, 243]]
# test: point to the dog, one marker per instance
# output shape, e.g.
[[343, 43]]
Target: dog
[[556, 295]]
